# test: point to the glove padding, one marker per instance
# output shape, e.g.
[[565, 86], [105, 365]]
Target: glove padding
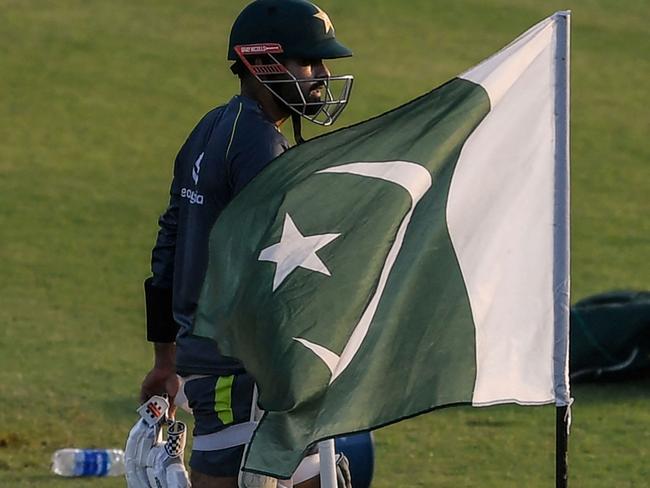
[[343, 476], [151, 462]]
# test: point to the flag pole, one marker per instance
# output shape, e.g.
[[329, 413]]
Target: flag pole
[[561, 446], [327, 464], [561, 265]]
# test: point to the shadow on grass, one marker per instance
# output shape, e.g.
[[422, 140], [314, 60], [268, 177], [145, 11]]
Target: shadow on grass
[[122, 408], [612, 390], [54, 481]]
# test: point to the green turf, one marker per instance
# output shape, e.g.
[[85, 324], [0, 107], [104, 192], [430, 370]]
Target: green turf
[[97, 96]]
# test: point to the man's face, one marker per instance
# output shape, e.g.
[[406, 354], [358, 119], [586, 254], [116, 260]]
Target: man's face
[[313, 91]]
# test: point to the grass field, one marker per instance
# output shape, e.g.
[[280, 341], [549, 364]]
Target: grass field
[[95, 99]]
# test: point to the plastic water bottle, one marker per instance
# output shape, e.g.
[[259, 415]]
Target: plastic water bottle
[[88, 462]]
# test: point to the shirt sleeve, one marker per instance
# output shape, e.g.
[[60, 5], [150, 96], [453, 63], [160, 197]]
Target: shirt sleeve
[[162, 255], [250, 155], [161, 326]]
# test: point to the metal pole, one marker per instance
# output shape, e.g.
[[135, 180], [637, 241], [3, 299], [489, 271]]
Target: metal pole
[[561, 236], [561, 265], [561, 447], [327, 464]]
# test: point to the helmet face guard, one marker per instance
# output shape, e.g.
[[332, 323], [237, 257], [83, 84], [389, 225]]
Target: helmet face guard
[[334, 90]]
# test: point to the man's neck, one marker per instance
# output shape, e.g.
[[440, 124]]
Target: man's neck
[[267, 102]]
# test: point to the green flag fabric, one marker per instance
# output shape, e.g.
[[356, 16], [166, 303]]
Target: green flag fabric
[[412, 261]]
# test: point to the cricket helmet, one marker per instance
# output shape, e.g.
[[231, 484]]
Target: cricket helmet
[[271, 31]]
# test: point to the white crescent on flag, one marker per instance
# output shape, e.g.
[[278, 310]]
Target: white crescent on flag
[[416, 180]]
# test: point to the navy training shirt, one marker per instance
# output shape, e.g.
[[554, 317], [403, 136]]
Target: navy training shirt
[[228, 147]]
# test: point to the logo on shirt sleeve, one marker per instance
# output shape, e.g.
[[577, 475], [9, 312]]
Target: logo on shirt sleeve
[[197, 168], [192, 195]]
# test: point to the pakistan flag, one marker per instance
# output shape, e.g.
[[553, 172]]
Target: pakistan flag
[[415, 260]]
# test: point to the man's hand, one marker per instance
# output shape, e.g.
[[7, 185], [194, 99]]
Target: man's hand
[[149, 460], [162, 378]]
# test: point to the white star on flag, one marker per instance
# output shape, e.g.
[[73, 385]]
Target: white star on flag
[[296, 251]]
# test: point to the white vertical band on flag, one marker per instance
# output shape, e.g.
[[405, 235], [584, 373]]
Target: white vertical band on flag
[[561, 281], [501, 218], [500, 71]]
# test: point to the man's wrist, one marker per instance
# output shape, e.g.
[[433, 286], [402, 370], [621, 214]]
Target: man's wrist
[[165, 356]]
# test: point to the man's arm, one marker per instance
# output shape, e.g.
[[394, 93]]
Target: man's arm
[[161, 327]]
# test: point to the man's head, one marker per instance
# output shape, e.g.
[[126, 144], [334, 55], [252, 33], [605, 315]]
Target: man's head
[[283, 45]]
